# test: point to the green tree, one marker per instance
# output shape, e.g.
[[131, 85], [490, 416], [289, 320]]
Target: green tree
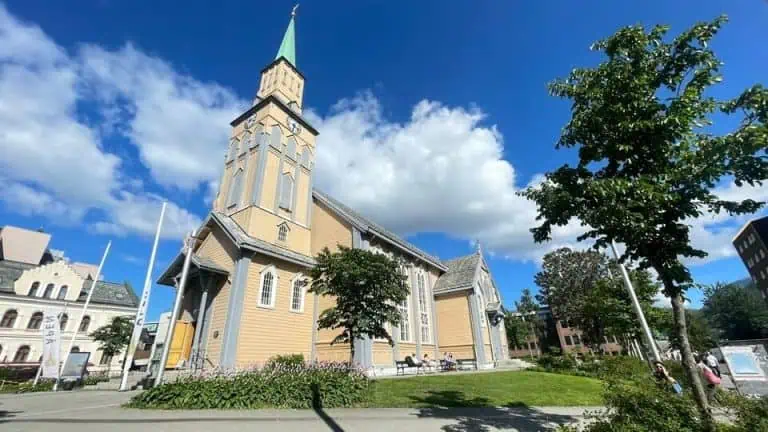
[[529, 326], [366, 286], [736, 310], [114, 337], [585, 289], [700, 334], [647, 164]]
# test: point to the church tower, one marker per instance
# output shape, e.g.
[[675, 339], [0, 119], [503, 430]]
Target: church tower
[[266, 186]]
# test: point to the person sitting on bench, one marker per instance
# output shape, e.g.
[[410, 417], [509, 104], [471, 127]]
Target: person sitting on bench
[[413, 363], [450, 362]]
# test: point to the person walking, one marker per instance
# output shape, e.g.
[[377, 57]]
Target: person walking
[[663, 377], [709, 376], [713, 364]]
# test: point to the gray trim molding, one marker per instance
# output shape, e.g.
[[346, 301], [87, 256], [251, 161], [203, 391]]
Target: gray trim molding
[[310, 201], [296, 172], [234, 311], [477, 331], [315, 316], [433, 318], [279, 178], [416, 313], [496, 347]]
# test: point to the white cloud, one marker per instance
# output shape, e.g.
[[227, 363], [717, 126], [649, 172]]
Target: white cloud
[[180, 125], [441, 171], [55, 163]]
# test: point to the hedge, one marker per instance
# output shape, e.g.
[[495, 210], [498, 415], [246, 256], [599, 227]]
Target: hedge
[[330, 385]]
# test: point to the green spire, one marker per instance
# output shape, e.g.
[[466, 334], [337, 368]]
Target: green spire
[[288, 46]]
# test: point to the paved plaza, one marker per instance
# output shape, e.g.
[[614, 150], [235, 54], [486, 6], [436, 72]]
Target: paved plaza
[[84, 411]]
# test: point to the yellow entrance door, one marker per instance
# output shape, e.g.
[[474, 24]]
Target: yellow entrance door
[[181, 345]]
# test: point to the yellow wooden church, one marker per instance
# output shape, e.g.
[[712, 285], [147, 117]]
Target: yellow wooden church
[[245, 295]]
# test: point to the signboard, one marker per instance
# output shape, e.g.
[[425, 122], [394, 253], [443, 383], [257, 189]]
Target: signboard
[[51, 345], [743, 362], [75, 366]]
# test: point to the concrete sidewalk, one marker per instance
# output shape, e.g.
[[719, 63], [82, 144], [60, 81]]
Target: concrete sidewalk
[[99, 411]]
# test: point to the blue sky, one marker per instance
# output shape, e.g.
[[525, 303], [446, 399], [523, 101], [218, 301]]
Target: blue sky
[[110, 106]]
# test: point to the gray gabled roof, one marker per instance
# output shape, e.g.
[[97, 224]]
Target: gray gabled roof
[[9, 272], [174, 268], [460, 275], [366, 225], [120, 294]]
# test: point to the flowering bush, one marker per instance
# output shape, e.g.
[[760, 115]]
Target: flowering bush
[[329, 385]]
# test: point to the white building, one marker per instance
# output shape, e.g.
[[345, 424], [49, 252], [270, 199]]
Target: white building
[[34, 279]]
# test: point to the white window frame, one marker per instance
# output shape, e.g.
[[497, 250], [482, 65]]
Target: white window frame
[[425, 324], [300, 279], [273, 294]]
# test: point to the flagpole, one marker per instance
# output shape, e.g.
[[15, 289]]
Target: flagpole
[[190, 241], [82, 314], [141, 312]]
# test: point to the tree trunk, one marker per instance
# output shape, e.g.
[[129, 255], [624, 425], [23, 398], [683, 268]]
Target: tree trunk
[[351, 350], [689, 364]]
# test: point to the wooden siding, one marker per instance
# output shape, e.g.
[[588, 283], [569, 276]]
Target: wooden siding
[[455, 331], [266, 332], [218, 248]]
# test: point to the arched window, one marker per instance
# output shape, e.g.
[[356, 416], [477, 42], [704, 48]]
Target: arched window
[[235, 189], [245, 142], [405, 314], [275, 137], [63, 320], [297, 294], [75, 349], [259, 136], [48, 293], [36, 321], [233, 144], [21, 354], [62, 292], [84, 324], [423, 308], [286, 192], [268, 288], [282, 232], [33, 289], [9, 318], [291, 148]]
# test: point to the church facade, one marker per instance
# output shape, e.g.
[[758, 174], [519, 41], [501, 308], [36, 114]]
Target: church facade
[[246, 292]]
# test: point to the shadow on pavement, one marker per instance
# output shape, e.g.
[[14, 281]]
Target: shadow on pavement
[[479, 415], [317, 406]]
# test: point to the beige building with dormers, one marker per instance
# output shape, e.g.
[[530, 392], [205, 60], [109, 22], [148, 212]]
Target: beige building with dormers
[[246, 295], [33, 279]]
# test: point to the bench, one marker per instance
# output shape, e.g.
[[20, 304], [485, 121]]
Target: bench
[[445, 366], [466, 362], [402, 365]]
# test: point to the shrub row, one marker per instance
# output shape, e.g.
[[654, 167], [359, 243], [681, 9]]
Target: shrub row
[[277, 385]]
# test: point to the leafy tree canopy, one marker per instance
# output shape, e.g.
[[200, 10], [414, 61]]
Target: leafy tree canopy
[[647, 162], [585, 288], [115, 336], [366, 286], [738, 311]]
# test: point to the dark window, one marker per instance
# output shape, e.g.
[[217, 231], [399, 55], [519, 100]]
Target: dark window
[[576, 340], [63, 319], [564, 324], [33, 289], [568, 341], [21, 354], [9, 319], [48, 293], [36, 321], [84, 324], [75, 349], [62, 292]]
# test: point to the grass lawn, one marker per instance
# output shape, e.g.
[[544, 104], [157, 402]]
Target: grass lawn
[[519, 388]]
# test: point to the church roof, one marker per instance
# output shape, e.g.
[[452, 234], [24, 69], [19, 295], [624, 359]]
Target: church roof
[[288, 45], [366, 225], [460, 275], [9, 272], [120, 294]]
